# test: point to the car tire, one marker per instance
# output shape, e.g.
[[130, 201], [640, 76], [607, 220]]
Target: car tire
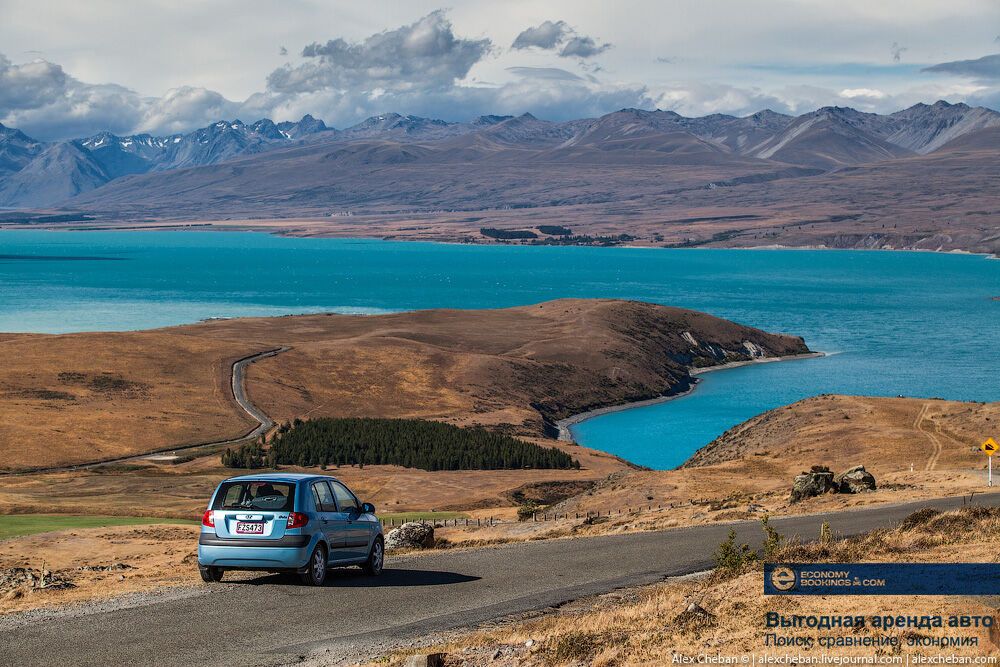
[[210, 574], [315, 573], [376, 558]]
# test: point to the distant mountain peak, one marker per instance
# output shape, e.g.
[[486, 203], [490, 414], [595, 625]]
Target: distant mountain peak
[[380, 119], [826, 138], [837, 111], [306, 125], [490, 119], [7, 133], [768, 113]]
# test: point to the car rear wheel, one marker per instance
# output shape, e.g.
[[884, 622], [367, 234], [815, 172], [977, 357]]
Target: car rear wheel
[[376, 558], [209, 574], [315, 573]]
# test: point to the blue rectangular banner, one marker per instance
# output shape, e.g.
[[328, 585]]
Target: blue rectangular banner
[[882, 579]]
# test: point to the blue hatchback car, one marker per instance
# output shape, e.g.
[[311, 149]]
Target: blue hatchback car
[[288, 523]]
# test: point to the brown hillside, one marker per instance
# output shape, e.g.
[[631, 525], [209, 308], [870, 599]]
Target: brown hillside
[[83, 397], [756, 461]]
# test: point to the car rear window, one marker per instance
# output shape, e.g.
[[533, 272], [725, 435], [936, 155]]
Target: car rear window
[[255, 495]]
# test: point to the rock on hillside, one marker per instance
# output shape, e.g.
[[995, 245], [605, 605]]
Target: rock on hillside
[[855, 480], [819, 480], [412, 535]]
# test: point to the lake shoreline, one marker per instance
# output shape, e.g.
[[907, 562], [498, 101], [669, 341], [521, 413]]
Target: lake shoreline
[[565, 425], [294, 233]]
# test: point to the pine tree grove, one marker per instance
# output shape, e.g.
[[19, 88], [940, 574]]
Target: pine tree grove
[[413, 443]]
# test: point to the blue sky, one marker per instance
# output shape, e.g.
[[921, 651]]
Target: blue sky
[[69, 69]]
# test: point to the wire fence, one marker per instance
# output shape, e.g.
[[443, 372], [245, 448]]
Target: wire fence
[[536, 517]]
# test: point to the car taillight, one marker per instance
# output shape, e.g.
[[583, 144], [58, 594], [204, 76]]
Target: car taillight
[[297, 519], [208, 519]]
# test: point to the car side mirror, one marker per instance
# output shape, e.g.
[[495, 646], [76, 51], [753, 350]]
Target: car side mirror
[[367, 508]]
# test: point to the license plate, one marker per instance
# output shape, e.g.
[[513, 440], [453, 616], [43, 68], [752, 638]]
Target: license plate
[[249, 528]]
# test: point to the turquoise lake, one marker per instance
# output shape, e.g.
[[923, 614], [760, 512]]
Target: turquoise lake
[[917, 324]]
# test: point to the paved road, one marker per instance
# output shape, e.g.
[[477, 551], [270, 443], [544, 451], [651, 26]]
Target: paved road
[[268, 621], [264, 423]]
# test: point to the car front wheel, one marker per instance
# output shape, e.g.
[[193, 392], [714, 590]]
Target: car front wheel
[[376, 558], [315, 573], [209, 574]]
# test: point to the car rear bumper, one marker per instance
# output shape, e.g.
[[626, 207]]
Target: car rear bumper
[[286, 542], [288, 552]]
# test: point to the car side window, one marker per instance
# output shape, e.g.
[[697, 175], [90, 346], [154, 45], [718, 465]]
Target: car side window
[[232, 496], [345, 499], [323, 497]]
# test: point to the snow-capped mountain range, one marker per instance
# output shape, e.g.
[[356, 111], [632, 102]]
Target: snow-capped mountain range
[[36, 174]]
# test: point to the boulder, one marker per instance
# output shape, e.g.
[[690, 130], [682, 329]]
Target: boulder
[[412, 535], [816, 482], [855, 480]]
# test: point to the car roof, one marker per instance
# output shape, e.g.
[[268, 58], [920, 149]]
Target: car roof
[[278, 477]]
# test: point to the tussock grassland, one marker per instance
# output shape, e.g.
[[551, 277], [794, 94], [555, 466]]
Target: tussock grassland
[[648, 626], [85, 397], [916, 448]]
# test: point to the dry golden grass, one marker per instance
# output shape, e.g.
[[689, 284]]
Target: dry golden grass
[[649, 626], [486, 367], [157, 556], [182, 490], [84, 397], [755, 463], [715, 492], [758, 459]]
